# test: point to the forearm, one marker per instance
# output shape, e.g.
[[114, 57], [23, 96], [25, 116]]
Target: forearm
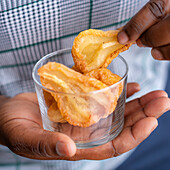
[[3, 99]]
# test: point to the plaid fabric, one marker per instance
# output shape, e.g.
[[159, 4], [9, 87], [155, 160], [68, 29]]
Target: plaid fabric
[[30, 29]]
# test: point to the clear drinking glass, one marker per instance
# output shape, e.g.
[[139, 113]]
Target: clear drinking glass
[[106, 128]]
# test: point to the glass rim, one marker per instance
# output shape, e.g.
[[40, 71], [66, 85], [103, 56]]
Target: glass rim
[[69, 50]]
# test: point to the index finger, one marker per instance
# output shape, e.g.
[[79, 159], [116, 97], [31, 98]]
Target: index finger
[[150, 14]]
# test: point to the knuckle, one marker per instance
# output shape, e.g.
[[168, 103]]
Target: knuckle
[[134, 29], [136, 26], [34, 147], [41, 149], [157, 8]]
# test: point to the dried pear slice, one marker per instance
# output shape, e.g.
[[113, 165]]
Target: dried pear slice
[[53, 111], [54, 114], [104, 75], [77, 106], [76, 69], [108, 78], [49, 99], [93, 49]]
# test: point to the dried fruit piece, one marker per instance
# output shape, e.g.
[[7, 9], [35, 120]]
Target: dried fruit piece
[[54, 113], [93, 49], [107, 77], [49, 99], [71, 91], [104, 75], [76, 69]]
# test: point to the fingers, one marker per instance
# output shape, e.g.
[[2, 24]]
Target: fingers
[[157, 107], [150, 14], [138, 126], [23, 133], [132, 88], [97, 153], [158, 35], [21, 109], [161, 53], [138, 104], [154, 108], [133, 136], [40, 144]]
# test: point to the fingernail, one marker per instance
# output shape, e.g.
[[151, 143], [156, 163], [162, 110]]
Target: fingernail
[[157, 54], [65, 149], [60, 148], [154, 126], [122, 37]]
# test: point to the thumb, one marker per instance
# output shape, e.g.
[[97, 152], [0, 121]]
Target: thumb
[[150, 14], [42, 144]]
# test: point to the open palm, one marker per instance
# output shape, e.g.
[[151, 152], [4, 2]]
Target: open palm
[[21, 128]]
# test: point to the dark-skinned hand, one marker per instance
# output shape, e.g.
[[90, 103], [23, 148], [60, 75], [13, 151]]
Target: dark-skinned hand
[[150, 27], [21, 128]]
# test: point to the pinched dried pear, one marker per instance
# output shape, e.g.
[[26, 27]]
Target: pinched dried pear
[[93, 49], [72, 90], [54, 114]]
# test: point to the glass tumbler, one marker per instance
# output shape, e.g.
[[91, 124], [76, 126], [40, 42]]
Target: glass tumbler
[[104, 107]]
